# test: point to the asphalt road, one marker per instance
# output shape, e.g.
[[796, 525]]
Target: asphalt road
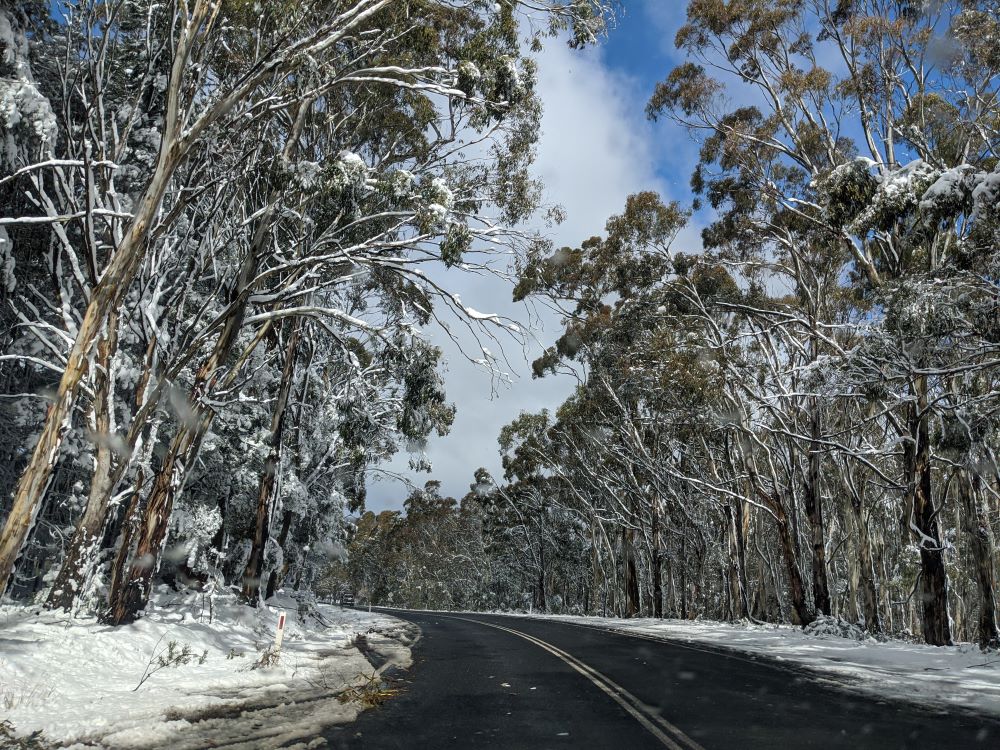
[[483, 681]]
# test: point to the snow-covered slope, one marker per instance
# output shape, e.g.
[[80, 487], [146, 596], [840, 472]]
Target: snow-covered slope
[[75, 679]]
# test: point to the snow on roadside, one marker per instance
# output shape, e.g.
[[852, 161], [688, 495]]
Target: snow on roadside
[[960, 676], [76, 680]]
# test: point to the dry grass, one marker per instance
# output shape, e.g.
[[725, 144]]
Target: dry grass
[[372, 692], [25, 696], [9, 741], [269, 657]]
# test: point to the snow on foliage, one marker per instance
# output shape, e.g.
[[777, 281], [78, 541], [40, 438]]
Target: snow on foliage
[[898, 191], [215, 264], [836, 627], [986, 194], [22, 105], [7, 278]]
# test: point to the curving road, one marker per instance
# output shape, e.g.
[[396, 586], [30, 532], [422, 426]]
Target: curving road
[[487, 681]]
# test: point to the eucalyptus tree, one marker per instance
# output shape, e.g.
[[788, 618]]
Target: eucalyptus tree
[[640, 382], [251, 177], [844, 94]]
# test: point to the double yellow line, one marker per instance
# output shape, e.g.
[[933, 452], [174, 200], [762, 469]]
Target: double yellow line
[[668, 734]]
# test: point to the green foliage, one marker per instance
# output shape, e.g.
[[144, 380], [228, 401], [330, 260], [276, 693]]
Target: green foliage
[[427, 558]]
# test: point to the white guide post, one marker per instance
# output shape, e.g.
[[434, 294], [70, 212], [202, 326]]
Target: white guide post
[[279, 633]]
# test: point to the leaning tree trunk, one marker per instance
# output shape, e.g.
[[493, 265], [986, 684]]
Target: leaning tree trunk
[[596, 574], [268, 479], [36, 475], [796, 587], [106, 297], [541, 601], [130, 592], [924, 524], [683, 576], [77, 562]]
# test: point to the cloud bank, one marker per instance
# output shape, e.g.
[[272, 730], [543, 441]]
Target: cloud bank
[[596, 149]]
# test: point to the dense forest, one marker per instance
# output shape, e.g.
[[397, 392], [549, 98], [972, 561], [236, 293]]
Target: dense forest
[[220, 230], [797, 419], [217, 216]]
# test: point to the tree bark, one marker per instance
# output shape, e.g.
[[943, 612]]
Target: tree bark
[[631, 574], [683, 582], [656, 564], [734, 514], [131, 591], [79, 556], [219, 538], [274, 579], [795, 585], [788, 553], [130, 526], [868, 587], [924, 524], [814, 512], [106, 297], [540, 580], [268, 480], [982, 546]]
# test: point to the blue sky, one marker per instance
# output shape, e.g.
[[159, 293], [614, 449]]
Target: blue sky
[[596, 149], [641, 48]]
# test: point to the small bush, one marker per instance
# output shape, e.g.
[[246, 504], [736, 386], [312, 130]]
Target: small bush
[[269, 657], [174, 655], [825, 625], [372, 692]]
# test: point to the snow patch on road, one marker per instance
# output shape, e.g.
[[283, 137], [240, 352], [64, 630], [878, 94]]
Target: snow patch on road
[[960, 676], [78, 680]]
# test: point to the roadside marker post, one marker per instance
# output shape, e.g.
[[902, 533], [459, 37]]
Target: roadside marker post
[[279, 633]]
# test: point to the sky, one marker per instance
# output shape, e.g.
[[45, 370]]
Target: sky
[[596, 149]]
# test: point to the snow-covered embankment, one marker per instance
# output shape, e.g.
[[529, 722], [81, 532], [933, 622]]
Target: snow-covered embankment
[[941, 677], [192, 669]]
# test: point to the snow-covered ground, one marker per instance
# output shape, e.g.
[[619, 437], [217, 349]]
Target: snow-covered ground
[[77, 680], [960, 676]]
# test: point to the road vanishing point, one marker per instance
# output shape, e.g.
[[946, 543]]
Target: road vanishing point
[[493, 681]]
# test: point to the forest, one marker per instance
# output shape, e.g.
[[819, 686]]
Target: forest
[[798, 419], [222, 239], [216, 219]]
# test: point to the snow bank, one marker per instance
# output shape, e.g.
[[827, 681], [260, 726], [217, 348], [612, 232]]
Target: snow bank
[[959, 676], [77, 680]]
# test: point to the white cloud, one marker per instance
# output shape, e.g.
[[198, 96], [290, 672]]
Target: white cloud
[[596, 149], [596, 146]]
